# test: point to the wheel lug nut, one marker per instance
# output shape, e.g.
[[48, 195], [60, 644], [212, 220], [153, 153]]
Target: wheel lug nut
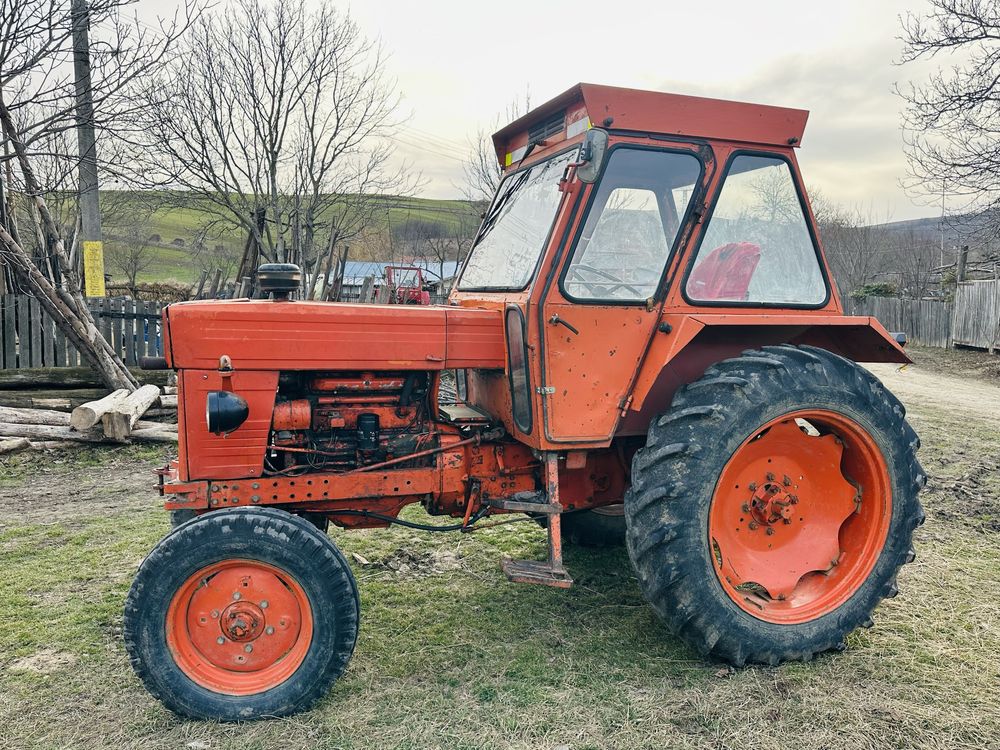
[[770, 477], [753, 525], [248, 648], [215, 614], [770, 531], [752, 486], [237, 596], [263, 604], [745, 508], [220, 640], [786, 480], [269, 630], [787, 521]]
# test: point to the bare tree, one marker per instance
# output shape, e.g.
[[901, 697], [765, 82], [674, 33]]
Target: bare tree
[[132, 255], [857, 241], [915, 260], [210, 254], [37, 107], [951, 120], [279, 108], [483, 171], [447, 246]]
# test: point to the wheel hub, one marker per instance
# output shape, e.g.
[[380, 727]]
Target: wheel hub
[[770, 503], [242, 621]]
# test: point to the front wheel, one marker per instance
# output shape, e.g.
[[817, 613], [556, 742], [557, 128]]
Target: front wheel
[[773, 505], [242, 614]]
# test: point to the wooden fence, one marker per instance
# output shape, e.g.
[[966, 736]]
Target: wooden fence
[[29, 337], [976, 320], [925, 322], [973, 319]]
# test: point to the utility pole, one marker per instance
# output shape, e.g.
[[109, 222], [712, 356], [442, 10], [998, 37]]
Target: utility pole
[[92, 241]]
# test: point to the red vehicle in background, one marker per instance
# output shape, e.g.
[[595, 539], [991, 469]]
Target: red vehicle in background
[[406, 286]]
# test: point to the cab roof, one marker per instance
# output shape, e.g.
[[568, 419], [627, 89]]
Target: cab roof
[[590, 105]]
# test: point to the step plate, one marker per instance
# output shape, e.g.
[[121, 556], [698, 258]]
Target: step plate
[[532, 571]]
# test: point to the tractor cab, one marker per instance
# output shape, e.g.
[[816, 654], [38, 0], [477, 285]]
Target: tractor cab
[[632, 225]]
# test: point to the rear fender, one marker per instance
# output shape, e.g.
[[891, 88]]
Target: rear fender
[[687, 345]]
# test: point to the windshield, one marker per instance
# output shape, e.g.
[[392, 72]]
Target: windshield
[[506, 250]]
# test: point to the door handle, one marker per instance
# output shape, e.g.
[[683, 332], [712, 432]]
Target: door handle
[[556, 320]]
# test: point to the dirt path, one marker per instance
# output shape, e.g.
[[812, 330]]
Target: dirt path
[[920, 386]]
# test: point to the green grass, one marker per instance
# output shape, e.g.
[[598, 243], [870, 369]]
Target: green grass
[[452, 656]]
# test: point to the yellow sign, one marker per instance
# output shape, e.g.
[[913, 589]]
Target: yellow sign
[[93, 268]]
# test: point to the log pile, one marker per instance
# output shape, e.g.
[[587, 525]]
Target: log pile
[[116, 417], [60, 388]]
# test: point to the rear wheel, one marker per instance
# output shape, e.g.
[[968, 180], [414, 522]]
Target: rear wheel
[[242, 614], [597, 527], [774, 504]]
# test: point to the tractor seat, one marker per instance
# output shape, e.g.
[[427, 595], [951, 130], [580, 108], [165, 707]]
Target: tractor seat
[[463, 414], [725, 273]]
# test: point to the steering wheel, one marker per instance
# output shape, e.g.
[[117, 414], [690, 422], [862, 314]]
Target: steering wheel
[[574, 272]]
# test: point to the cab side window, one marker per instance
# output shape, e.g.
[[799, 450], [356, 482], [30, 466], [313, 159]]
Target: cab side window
[[631, 226], [757, 247]]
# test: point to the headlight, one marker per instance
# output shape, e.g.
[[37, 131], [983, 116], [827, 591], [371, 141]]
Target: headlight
[[225, 411]]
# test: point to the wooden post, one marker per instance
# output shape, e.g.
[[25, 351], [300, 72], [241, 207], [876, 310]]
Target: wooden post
[[365, 295], [9, 332], [201, 285], [214, 290], [963, 259]]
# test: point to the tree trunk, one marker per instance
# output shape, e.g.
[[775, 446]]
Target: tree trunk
[[121, 418], [13, 445], [12, 415], [64, 303], [51, 418], [86, 416], [50, 432]]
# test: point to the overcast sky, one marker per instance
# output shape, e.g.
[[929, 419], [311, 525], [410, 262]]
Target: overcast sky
[[459, 63]]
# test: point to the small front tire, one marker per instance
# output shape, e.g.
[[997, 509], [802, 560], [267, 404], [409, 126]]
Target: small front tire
[[242, 614]]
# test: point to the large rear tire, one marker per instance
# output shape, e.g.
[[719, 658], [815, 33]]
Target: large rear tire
[[597, 527], [774, 504], [242, 614]]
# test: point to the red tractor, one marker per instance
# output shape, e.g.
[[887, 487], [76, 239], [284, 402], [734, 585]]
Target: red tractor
[[405, 286], [648, 348]]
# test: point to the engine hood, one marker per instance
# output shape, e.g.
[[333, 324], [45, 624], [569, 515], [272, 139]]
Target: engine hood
[[288, 335]]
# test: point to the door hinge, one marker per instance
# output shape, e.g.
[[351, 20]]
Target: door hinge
[[546, 390], [624, 405]]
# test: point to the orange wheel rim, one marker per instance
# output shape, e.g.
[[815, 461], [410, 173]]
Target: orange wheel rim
[[799, 516], [239, 627]]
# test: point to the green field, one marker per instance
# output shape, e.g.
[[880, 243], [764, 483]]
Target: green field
[[181, 217]]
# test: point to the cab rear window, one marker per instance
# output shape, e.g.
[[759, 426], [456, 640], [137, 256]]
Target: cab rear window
[[757, 247]]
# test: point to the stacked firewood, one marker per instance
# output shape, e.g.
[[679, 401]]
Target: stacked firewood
[[113, 418]]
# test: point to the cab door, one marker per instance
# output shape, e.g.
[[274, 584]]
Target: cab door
[[599, 317]]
